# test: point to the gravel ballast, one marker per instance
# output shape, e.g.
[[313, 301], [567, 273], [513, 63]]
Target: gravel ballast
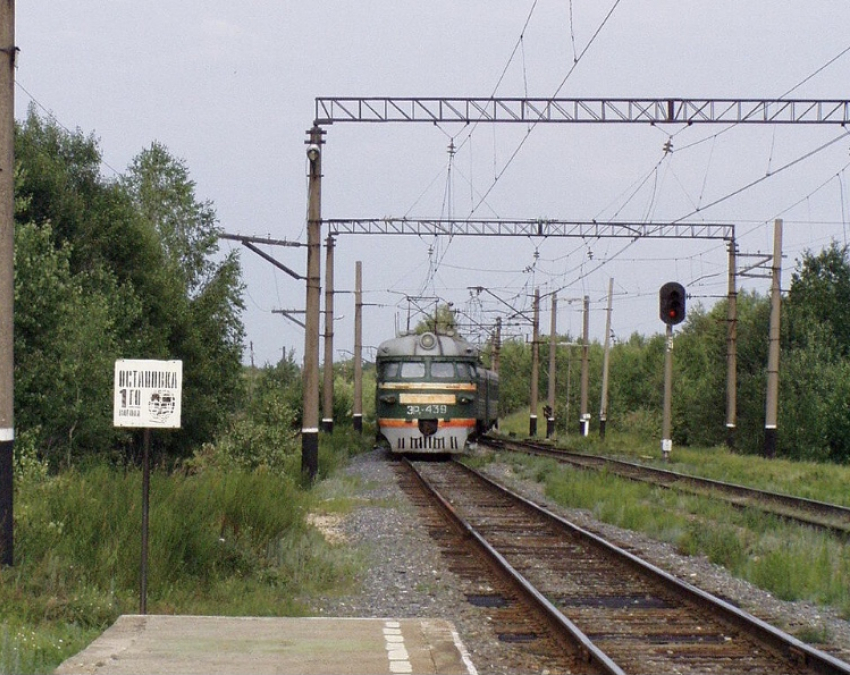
[[407, 576]]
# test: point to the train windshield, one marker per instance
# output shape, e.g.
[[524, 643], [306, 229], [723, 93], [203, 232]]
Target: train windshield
[[412, 370], [441, 370], [389, 370]]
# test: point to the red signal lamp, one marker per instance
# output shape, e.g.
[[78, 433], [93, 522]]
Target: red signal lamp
[[671, 299]]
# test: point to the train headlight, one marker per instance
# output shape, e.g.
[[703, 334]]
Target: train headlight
[[428, 341], [389, 399], [464, 399]]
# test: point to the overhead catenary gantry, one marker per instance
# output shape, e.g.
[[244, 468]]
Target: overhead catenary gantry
[[589, 229], [331, 110], [528, 111]]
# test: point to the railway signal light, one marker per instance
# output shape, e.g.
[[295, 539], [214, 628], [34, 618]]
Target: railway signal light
[[672, 303]]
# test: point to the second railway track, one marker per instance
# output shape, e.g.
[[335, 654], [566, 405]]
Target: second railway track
[[832, 518], [625, 615]]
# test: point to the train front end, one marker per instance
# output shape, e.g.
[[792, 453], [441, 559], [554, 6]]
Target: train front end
[[426, 393]]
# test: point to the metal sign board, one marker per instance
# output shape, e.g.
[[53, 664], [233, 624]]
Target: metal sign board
[[147, 393]]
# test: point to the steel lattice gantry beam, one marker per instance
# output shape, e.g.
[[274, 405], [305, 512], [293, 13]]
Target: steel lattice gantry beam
[[330, 110], [530, 228]]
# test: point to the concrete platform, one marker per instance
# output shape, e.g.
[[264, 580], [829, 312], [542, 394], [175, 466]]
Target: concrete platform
[[209, 645]]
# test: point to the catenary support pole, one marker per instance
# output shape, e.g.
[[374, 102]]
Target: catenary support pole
[[603, 403], [553, 347], [497, 345], [358, 347], [328, 367], [772, 399], [585, 366], [732, 351], [569, 387], [310, 414], [7, 278], [535, 364]]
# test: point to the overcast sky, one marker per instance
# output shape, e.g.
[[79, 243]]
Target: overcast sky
[[230, 89]]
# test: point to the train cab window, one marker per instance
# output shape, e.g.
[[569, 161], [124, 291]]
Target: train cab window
[[389, 370], [465, 371], [411, 370], [441, 370]]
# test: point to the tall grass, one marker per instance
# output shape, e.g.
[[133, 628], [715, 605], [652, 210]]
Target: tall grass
[[811, 480], [791, 562], [228, 542]]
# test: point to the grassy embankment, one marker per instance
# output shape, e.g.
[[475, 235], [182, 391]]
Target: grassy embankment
[[792, 562], [222, 542]]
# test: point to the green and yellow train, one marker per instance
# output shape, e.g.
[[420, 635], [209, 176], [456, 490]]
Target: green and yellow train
[[433, 394]]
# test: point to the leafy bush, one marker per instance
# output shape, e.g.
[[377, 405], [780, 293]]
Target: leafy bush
[[28, 466]]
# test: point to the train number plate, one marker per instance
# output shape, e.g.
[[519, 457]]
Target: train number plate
[[426, 399]]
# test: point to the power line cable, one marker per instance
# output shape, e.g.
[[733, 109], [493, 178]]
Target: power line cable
[[755, 182], [534, 124], [518, 45], [815, 191], [818, 71], [57, 121], [573, 32]]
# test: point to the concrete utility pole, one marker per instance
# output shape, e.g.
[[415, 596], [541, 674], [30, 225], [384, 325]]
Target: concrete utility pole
[[310, 419], [603, 404], [553, 346], [585, 366], [7, 278], [535, 364], [732, 351], [569, 388], [772, 401], [358, 347], [497, 345], [328, 388]]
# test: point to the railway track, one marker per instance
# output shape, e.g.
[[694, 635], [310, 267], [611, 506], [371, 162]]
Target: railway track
[[831, 518], [603, 608]]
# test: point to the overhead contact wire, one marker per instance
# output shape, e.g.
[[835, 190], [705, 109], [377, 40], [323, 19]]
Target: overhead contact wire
[[557, 91]]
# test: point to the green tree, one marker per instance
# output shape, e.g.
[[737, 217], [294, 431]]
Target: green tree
[[700, 367], [165, 196], [203, 324], [636, 383], [59, 184], [514, 376], [116, 268], [442, 321], [820, 294], [815, 362], [66, 342]]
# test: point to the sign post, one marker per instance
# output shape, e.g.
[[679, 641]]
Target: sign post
[[147, 395]]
